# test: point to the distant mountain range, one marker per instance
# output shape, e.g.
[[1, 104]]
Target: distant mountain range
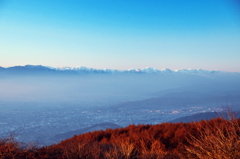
[[203, 116], [84, 70]]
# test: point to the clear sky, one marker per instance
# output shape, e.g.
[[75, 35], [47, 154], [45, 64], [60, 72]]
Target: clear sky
[[121, 34]]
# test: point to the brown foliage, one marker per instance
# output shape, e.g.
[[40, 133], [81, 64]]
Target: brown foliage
[[217, 138]]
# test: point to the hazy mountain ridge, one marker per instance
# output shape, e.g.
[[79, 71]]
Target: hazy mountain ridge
[[81, 69], [203, 116]]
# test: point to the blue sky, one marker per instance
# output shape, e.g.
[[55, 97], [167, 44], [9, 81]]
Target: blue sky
[[121, 34]]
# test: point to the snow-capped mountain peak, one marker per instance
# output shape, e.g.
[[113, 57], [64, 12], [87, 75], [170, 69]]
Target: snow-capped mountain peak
[[82, 69]]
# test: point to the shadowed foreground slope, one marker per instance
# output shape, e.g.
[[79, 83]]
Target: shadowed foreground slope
[[217, 138]]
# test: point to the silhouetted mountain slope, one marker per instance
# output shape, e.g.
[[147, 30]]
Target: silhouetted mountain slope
[[28, 70], [201, 116], [179, 101]]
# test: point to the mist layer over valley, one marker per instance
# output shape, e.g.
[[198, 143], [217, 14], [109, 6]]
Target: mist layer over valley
[[44, 105]]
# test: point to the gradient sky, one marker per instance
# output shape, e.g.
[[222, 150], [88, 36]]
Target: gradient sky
[[121, 34]]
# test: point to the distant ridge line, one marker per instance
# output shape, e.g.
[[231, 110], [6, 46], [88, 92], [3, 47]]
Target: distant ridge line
[[82, 69]]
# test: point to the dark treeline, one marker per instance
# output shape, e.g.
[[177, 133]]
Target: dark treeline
[[217, 138]]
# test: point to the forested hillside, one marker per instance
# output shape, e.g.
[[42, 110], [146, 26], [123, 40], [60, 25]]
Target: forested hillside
[[217, 138]]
